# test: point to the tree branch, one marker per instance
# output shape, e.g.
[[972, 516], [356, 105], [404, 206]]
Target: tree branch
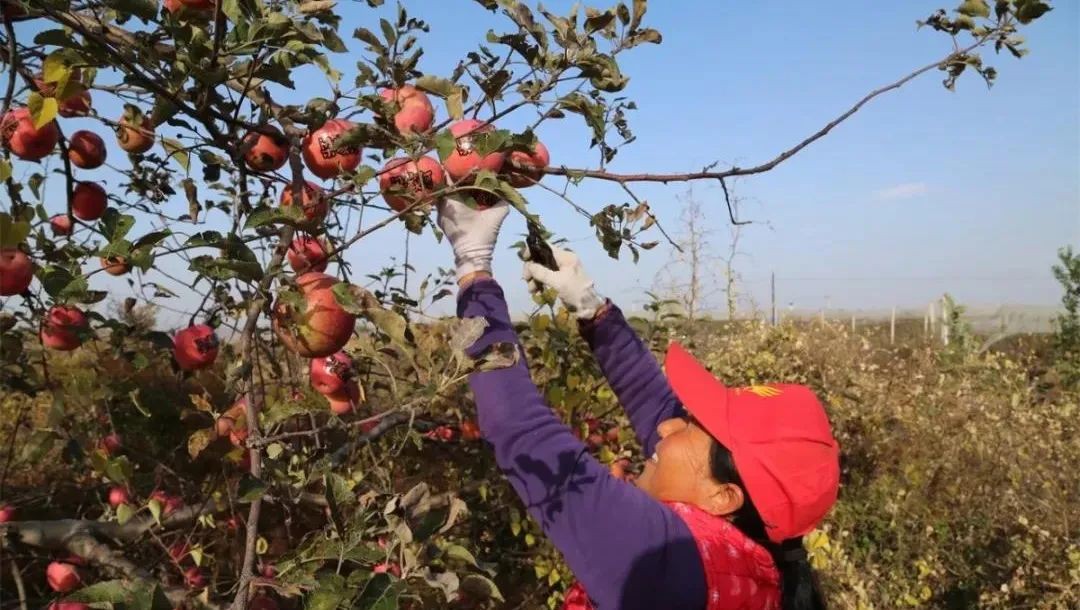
[[783, 156]]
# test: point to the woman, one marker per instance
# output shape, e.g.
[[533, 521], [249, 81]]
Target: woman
[[735, 479]]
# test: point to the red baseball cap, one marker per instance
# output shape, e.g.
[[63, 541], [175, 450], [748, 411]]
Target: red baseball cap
[[779, 438]]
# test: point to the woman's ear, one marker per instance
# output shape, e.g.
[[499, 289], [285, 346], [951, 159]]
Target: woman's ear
[[723, 499]]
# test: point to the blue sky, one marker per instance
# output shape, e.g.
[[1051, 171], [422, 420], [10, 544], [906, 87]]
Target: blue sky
[[924, 191]]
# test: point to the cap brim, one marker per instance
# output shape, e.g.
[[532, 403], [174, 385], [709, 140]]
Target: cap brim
[[700, 392]]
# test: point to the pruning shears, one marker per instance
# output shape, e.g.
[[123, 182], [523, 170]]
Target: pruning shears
[[539, 250]]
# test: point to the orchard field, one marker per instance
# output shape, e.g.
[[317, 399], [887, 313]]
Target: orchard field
[[303, 436]]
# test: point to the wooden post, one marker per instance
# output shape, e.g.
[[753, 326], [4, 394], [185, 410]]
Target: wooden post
[[892, 327], [852, 322], [946, 313], [772, 283]]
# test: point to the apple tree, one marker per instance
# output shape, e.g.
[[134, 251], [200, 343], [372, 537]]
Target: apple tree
[[302, 440]]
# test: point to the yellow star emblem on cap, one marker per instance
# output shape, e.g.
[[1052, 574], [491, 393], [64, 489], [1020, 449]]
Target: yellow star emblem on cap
[[764, 391]]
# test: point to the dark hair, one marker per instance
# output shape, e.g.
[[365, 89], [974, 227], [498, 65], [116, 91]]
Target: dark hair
[[799, 588]]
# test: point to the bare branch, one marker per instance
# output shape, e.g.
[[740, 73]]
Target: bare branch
[[783, 156]]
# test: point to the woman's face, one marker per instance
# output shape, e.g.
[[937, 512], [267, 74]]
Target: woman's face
[[679, 470]]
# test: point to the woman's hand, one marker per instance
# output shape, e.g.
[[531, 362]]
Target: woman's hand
[[574, 286], [472, 234]]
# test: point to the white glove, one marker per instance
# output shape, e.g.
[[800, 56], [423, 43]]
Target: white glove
[[472, 233], [574, 287]]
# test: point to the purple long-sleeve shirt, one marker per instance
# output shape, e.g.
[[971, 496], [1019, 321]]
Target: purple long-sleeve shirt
[[627, 549]]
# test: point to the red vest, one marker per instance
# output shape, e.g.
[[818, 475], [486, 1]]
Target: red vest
[[739, 573]]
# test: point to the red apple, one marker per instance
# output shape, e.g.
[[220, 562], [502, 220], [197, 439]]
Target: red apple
[[88, 201], [118, 496], [415, 113], [169, 503], [62, 577], [23, 139], [75, 105], [345, 400], [61, 224], [7, 513], [135, 137], [111, 443], [194, 578], [115, 265], [322, 327], [329, 374], [307, 254], [612, 435], [68, 606], [268, 152], [314, 204], [463, 160], [61, 328], [319, 151], [534, 164], [86, 149], [470, 431], [267, 570], [179, 550], [195, 347], [16, 271], [403, 181], [441, 433], [387, 568]]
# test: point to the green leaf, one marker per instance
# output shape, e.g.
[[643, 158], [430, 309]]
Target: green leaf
[[114, 225], [42, 109], [381, 593], [59, 282], [445, 143], [250, 488], [5, 170], [55, 68], [177, 151], [339, 488], [226, 269], [119, 470], [199, 440], [332, 41], [231, 9], [128, 594], [12, 232], [599, 21], [640, 6], [481, 586], [435, 85], [460, 553], [35, 183], [154, 505], [365, 35], [389, 33], [124, 513], [1029, 11], [143, 9], [265, 215], [330, 593], [455, 105], [151, 239], [974, 8]]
